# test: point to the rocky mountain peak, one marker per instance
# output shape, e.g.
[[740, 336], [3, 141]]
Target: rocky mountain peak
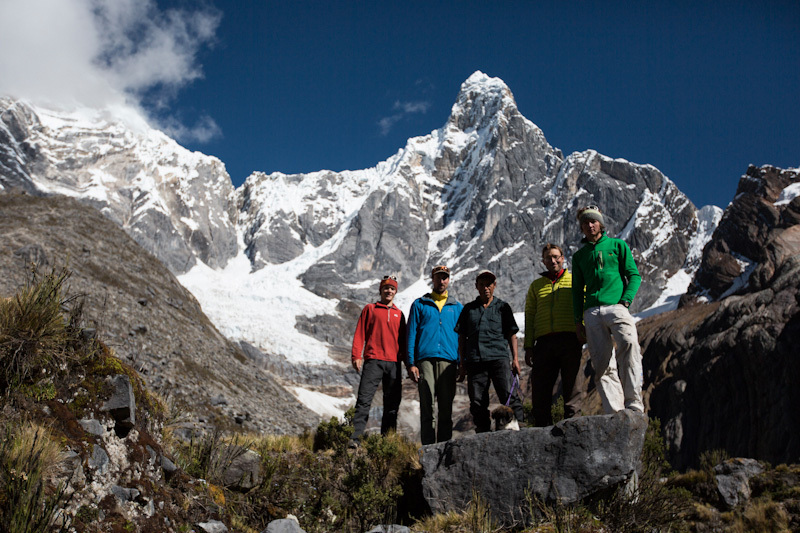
[[754, 235], [481, 102]]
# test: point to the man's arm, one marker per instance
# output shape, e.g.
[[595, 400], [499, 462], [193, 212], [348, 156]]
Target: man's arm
[[630, 272], [462, 369], [359, 337], [413, 324], [531, 302], [512, 344], [578, 286], [510, 330], [402, 340]]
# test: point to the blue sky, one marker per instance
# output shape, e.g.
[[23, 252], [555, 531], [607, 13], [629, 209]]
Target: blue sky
[[697, 89]]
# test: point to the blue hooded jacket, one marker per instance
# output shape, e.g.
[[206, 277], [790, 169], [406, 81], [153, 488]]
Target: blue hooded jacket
[[430, 332]]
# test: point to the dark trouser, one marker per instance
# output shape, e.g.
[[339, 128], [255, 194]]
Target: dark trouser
[[437, 381], [559, 352], [373, 373], [478, 377]]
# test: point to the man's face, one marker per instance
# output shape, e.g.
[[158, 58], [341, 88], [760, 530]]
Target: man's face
[[553, 260], [440, 282], [591, 229], [485, 288], [387, 294]]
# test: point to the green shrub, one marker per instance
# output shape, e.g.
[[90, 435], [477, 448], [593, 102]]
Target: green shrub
[[34, 333], [26, 504], [334, 434]]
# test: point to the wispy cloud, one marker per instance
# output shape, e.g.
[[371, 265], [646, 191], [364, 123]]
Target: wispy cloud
[[401, 111], [102, 53], [203, 131]]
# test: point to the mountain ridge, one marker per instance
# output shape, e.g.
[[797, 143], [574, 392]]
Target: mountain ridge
[[285, 261]]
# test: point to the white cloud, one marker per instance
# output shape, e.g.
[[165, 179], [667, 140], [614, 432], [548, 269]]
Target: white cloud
[[100, 53], [403, 110], [203, 130]]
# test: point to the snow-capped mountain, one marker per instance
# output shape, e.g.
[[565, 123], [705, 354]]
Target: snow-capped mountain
[[286, 261], [176, 203]]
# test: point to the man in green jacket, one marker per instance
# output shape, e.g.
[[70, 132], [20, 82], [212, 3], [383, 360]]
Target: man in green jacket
[[605, 267], [551, 344]]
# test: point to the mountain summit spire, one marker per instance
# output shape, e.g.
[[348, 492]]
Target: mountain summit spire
[[480, 100]]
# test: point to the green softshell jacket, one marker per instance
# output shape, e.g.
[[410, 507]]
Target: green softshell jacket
[[603, 273]]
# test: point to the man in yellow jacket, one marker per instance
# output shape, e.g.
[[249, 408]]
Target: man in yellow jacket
[[551, 343]]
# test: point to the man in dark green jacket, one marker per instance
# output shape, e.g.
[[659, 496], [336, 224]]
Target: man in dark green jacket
[[604, 281]]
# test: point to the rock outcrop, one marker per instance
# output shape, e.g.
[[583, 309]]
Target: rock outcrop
[[564, 463], [720, 374]]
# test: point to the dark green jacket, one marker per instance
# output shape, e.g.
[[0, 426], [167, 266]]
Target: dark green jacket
[[483, 332], [608, 272]]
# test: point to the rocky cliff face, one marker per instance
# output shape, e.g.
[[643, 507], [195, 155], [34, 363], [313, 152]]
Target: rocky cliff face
[[144, 314], [721, 373]]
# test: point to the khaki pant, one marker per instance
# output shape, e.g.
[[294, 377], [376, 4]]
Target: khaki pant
[[437, 383], [619, 380]]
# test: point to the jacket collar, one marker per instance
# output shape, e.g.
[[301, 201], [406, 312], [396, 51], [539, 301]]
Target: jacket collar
[[601, 239], [450, 300], [560, 275]]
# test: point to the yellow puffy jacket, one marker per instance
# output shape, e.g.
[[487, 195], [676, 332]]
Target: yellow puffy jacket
[[548, 307]]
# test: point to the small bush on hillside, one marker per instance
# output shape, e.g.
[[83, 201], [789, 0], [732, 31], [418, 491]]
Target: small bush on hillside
[[35, 336], [334, 435], [26, 505], [209, 456]]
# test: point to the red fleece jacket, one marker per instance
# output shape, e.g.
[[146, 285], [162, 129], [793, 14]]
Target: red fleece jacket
[[380, 333]]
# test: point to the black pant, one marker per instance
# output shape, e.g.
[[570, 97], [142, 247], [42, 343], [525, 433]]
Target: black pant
[[559, 352], [478, 377], [373, 373]]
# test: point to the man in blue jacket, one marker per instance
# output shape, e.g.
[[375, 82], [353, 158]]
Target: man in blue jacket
[[433, 356]]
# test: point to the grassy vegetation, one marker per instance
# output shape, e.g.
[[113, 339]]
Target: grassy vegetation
[[35, 337], [27, 455], [314, 477]]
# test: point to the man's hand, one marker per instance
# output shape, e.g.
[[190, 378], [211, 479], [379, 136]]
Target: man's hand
[[462, 373], [580, 330], [357, 363], [413, 373], [515, 368], [529, 356]]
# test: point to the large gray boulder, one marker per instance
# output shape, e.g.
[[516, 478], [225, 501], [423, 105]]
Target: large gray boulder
[[733, 479], [563, 463]]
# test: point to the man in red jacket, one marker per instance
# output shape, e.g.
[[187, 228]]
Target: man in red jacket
[[379, 350]]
